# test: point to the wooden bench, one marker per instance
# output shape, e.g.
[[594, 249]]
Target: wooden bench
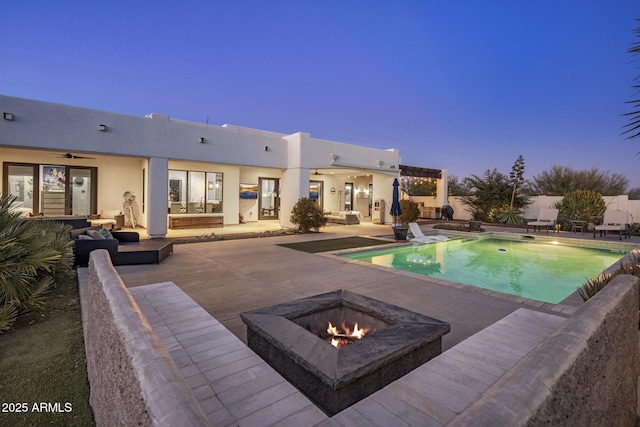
[[191, 221]]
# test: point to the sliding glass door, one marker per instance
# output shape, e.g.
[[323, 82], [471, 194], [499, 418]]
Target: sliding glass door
[[19, 182], [52, 190], [268, 198]]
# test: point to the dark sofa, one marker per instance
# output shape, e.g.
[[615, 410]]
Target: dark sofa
[[73, 221], [125, 248]]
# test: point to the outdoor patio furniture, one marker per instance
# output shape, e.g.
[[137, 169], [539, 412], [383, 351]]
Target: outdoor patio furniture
[[546, 218], [343, 217], [125, 247], [578, 225], [614, 220], [75, 221], [418, 235], [114, 219]]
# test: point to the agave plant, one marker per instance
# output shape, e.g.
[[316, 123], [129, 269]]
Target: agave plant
[[33, 254], [509, 215], [595, 285]]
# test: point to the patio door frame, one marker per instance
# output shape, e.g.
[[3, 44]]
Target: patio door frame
[[37, 181], [348, 195], [270, 212]]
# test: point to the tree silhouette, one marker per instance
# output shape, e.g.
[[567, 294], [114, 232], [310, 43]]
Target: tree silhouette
[[633, 127]]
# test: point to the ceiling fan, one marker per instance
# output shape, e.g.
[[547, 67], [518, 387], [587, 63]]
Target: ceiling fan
[[73, 156]]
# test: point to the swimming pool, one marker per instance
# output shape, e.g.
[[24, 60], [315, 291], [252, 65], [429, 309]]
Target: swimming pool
[[544, 271]]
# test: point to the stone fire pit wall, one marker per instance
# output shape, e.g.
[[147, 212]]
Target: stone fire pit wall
[[337, 378], [133, 379]]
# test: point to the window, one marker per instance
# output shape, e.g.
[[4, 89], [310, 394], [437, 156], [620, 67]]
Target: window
[[315, 192], [20, 179], [195, 192], [51, 189]]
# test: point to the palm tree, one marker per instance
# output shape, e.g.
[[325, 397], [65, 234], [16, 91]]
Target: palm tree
[[33, 254], [633, 127]]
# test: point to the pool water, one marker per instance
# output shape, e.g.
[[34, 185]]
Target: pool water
[[542, 271]]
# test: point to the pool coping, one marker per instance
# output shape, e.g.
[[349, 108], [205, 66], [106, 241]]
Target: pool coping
[[565, 307]]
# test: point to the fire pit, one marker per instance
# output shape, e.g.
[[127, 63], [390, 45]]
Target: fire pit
[[295, 338]]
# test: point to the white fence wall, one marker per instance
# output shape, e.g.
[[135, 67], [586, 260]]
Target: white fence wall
[[540, 202]]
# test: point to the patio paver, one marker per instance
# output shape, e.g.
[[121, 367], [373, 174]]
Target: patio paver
[[236, 387]]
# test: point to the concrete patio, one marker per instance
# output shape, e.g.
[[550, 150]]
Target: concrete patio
[[232, 276]]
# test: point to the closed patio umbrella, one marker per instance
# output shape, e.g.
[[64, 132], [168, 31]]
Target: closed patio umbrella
[[395, 203]]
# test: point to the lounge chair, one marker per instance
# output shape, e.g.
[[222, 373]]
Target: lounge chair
[[418, 235], [546, 218], [614, 221]]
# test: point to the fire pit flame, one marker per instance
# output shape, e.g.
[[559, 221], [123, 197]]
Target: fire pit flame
[[345, 336]]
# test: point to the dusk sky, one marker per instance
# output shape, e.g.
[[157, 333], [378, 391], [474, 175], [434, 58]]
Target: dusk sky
[[461, 85]]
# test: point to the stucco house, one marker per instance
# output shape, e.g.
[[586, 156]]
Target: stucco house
[[64, 160]]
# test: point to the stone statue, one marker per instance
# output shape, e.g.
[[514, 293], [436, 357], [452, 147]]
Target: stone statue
[[131, 210]]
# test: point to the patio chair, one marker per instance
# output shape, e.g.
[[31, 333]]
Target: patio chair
[[614, 220], [546, 218], [418, 235]]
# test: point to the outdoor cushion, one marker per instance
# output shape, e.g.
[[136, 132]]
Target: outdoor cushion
[[95, 235]]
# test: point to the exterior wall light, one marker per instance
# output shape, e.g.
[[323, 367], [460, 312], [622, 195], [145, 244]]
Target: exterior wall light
[[266, 148], [7, 116], [102, 127], [202, 140]]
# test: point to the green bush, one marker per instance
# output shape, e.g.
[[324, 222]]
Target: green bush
[[410, 212], [307, 216], [33, 255], [583, 205]]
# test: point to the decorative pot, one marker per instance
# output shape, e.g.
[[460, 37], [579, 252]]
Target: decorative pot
[[400, 232]]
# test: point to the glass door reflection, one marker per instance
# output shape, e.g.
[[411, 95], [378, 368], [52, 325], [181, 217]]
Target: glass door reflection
[[269, 198]]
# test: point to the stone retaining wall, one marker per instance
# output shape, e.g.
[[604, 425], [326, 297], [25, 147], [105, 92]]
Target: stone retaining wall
[[585, 373], [133, 379]]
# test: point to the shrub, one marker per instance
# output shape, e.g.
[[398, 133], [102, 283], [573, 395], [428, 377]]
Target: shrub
[[33, 255], [509, 215], [595, 285], [307, 216], [584, 205], [410, 212]]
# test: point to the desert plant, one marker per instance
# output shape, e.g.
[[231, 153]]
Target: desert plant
[[33, 255], [307, 216], [595, 285], [410, 212], [584, 205], [509, 215], [512, 213], [561, 180], [489, 194]]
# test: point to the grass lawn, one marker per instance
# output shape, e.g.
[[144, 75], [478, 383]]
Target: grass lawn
[[327, 245], [43, 372]]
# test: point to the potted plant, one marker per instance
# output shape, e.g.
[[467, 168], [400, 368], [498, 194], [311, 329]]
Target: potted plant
[[409, 213]]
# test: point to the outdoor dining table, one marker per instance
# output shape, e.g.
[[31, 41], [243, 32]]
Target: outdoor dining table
[[577, 224]]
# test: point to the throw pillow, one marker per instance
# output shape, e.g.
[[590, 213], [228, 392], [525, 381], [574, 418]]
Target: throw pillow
[[84, 237], [95, 234], [106, 233]]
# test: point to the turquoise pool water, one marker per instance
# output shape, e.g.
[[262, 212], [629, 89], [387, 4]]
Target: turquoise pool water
[[541, 271]]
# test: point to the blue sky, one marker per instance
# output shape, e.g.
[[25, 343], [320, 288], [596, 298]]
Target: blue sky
[[461, 85]]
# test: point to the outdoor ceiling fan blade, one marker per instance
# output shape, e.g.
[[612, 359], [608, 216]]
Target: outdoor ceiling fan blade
[[73, 156]]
